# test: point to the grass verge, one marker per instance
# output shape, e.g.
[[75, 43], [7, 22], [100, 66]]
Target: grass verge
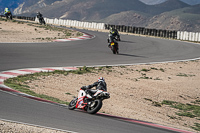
[[187, 110]]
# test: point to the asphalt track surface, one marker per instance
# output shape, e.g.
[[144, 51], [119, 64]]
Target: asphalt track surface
[[133, 50]]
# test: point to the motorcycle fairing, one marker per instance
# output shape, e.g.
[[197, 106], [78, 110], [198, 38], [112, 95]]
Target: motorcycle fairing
[[80, 103]]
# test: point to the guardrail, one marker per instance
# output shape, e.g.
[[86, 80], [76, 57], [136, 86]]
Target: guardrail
[[179, 35], [144, 31], [21, 17]]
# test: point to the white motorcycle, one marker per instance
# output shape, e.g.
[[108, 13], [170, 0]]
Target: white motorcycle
[[86, 102]]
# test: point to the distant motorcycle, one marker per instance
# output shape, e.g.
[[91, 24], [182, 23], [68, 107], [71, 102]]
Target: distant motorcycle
[[85, 102], [114, 47], [113, 44], [40, 17], [41, 20]]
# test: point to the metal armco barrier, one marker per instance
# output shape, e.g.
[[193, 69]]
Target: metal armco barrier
[[144, 31], [21, 17], [25, 18]]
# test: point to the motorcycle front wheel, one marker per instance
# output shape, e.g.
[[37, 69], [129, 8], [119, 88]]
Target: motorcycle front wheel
[[113, 49], [72, 104], [94, 106]]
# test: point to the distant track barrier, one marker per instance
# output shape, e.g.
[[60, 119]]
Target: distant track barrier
[[144, 31], [179, 35]]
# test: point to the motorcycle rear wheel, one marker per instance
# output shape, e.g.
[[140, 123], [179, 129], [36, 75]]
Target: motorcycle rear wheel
[[95, 106], [72, 104]]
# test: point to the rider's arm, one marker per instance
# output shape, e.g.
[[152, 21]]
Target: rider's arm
[[92, 85], [89, 86]]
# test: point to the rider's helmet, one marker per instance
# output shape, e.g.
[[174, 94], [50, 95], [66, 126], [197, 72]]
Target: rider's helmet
[[6, 9], [101, 79]]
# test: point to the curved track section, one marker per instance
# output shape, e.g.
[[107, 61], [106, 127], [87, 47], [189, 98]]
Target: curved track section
[[133, 50], [30, 111]]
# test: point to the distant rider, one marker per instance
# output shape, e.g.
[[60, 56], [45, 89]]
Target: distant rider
[[114, 32], [40, 17], [100, 85], [113, 36], [7, 12]]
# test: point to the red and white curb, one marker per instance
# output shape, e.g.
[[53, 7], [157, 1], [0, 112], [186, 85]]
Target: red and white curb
[[14, 73], [84, 37], [146, 123]]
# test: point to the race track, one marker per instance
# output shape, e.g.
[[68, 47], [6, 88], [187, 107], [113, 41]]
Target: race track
[[92, 52], [133, 49]]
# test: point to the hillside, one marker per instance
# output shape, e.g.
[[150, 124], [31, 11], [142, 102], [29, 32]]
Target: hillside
[[186, 19], [131, 18], [126, 12], [90, 9], [32, 5], [96, 10], [169, 5]]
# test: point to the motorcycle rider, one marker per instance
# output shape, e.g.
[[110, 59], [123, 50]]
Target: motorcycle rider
[[114, 33], [40, 17], [7, 12], [112, 36], [100, 85], [110, 39]]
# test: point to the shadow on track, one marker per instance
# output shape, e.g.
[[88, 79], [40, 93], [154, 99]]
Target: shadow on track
[[127, 41], [131, 55]]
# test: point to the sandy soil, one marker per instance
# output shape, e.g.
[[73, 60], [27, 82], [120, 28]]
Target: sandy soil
[[23, 32], [130, 91], [134, 91]]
